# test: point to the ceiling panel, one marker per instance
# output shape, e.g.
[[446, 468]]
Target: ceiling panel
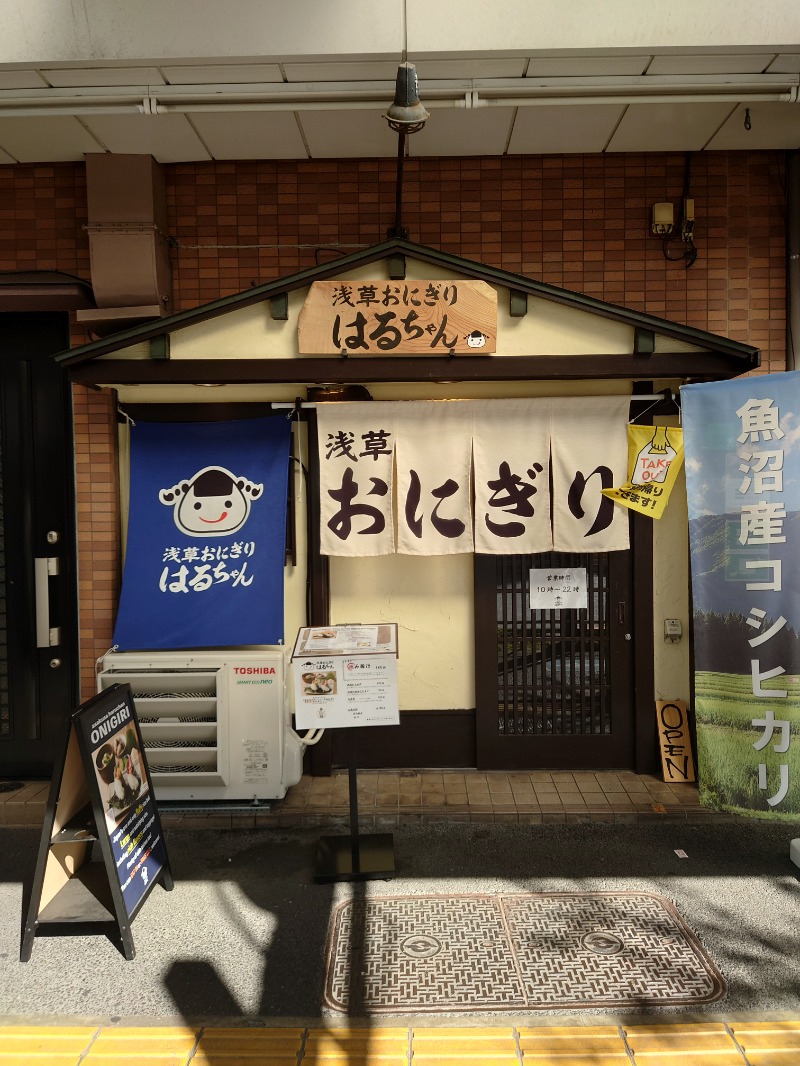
[[168, 138], [250, 135], [21, 79], [222, 73], [470, 68], [587, 66], [785, 63], [771, 126], [68, 77], [52, 140], [667, 127], [563, 128], [381, 71], [347, 133], [483, 131], [711, 64]]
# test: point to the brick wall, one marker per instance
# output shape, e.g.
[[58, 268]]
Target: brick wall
[[577, 221], [581, 222], [97, 496]]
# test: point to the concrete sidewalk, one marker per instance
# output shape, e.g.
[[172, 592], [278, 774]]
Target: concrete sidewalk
[[241, 944]]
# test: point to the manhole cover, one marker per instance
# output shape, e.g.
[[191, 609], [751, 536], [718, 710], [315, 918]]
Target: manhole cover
[[473, 953]]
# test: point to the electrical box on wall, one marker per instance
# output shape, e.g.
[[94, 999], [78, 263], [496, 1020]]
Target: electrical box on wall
[[673, 631], [663, 219], [215, 724]]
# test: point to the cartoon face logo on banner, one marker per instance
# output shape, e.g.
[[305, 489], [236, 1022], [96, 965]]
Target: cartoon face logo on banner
[[212, 503]]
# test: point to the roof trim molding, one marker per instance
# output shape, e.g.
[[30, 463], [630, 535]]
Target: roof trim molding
[[745, 357]]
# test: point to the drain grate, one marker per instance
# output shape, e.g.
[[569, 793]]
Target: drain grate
[[484, 953]]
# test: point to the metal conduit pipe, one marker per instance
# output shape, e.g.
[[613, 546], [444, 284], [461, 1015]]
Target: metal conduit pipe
[[792, 259]]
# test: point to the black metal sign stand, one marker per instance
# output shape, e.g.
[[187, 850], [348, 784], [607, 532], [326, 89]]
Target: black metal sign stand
[[72, 891], [355, 858]]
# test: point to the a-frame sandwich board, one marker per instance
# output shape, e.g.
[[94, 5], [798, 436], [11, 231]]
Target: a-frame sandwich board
[[100, 794]]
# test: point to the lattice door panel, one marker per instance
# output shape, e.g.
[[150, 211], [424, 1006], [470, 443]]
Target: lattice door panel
[[553, 675], [553, 686]]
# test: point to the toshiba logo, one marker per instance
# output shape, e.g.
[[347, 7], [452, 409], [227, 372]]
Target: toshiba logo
[[254, 669]]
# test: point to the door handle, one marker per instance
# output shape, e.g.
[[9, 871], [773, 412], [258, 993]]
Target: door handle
[[43, 569]]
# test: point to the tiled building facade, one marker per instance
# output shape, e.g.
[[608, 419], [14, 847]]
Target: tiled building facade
[[579, 222]]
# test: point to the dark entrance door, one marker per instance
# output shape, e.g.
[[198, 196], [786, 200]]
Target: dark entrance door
[[554, 688], [38, 612]]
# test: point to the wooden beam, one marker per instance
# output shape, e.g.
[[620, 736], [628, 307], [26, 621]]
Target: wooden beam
[[469, 368]]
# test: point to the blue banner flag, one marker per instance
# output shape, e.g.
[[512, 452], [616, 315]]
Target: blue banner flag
[[206, 535], [742, 443]]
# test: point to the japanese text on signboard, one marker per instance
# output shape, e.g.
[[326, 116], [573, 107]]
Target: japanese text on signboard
[[380, 318]]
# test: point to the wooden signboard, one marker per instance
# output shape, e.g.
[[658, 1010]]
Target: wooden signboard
[[398, 318], [674, 741], [100, 795]]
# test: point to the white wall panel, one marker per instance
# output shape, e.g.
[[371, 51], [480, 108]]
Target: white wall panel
[[77, 76], [253, 135], [668, 127], [785, 63], [222, 73], [330, 134], [588, 66], [386, 70], [53, 140], [771, 126], [483, 131], [753, 63], [21, 79], [168, 138], [543, 130]]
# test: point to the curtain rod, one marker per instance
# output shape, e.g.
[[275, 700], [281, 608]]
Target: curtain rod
[[279, 405]]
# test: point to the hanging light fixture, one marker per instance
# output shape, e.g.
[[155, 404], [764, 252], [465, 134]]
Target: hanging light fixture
[[405, 116]]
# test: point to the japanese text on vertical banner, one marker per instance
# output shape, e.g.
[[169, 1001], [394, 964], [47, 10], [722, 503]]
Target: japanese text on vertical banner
[[206, 535], [742, 474], [399, 476]]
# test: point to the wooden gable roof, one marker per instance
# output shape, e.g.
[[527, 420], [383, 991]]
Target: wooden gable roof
[[698, 354]]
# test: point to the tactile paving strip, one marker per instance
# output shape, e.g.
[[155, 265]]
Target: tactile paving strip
[[514, 952]]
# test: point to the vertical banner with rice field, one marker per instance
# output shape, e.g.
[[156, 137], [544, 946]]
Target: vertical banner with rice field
[[742, 448]]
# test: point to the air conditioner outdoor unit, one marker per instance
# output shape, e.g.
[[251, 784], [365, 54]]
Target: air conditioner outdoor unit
[[215, 724]]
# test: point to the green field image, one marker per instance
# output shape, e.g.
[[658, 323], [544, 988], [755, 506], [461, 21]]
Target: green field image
[[727, 761]]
